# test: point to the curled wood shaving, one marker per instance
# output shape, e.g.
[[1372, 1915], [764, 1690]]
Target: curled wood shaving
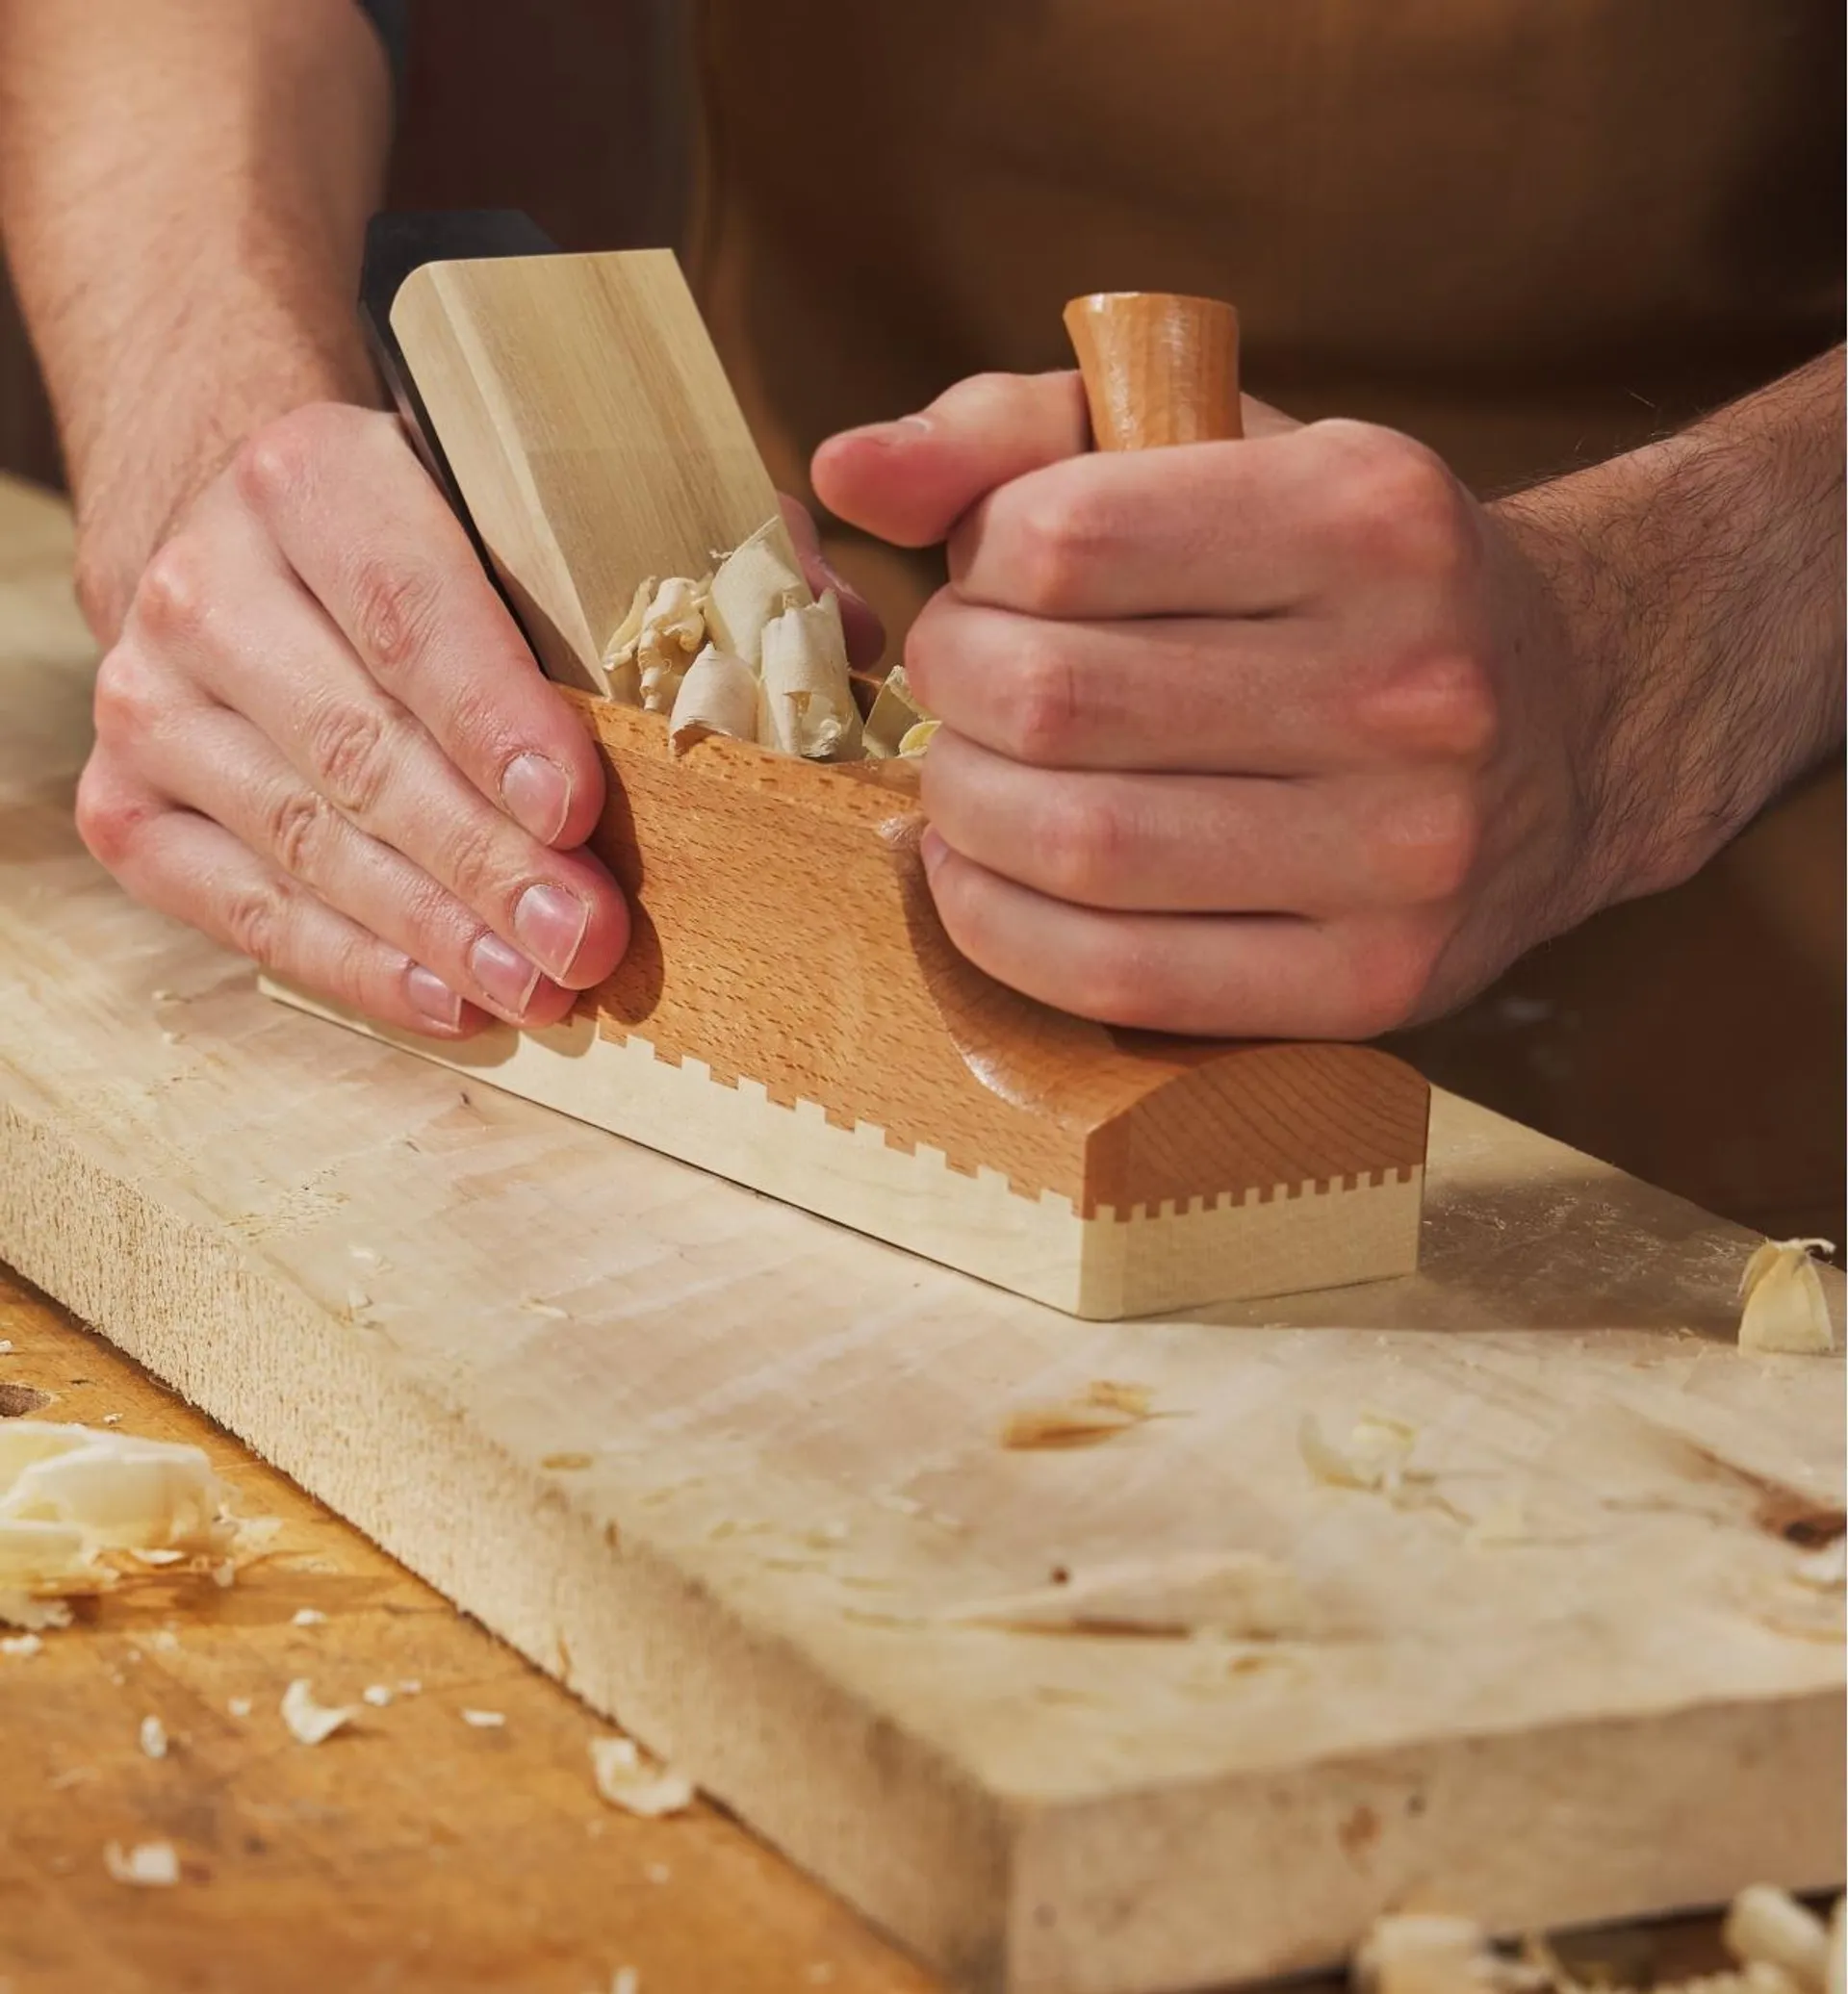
[[310, 1722], [80, 1507], [1376, 1455], [152, 1865], [718, 696], [636, 1785], [919, 737], [1765, 1925], [1104, 1408], [1239, 1594], [1785, 1309], [807, 706], [896, 713], [1780, 1949], [754, 584]]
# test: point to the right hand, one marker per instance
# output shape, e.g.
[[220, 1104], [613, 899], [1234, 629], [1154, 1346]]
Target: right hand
[[321, 739]]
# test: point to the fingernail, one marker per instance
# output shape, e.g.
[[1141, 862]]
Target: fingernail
[[891, 431], [836, 581], [931, 849], [538, 793], [431, 997], [504, 973], [550, 925]]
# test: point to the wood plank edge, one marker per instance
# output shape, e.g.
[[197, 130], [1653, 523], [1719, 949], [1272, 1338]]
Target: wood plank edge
[[737, 1705], [1269, 1873]]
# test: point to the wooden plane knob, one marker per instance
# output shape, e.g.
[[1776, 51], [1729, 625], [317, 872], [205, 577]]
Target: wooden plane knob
[[1157, 368]]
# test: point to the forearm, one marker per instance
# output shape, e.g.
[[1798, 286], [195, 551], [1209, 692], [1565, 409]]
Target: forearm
[[1699, 583], [184, 188]]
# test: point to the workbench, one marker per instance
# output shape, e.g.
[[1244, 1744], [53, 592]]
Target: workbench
[[424, 1852]]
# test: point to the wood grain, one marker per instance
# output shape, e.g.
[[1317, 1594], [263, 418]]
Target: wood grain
[[590, 428], [1158, 369], [785, 941], [426, 1300]]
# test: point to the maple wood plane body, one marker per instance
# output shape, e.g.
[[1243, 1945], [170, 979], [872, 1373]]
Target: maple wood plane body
[[790, 1013]]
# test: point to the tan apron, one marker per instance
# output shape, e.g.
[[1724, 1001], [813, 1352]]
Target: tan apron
[[1530, 232]]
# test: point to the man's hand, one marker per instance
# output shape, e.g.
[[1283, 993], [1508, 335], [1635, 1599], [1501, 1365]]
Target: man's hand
[[321, 739], [1290, 735]]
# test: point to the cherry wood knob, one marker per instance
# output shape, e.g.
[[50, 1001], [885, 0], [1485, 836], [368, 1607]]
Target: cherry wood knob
[[1158, 369]]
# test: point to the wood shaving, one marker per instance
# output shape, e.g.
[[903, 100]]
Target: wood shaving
[[377, 1693], [307, 1617], [484, 1720], [23, 1646], [753, 586], [1425, 1952], [1783, 1308], [895, 714], [1240, 1593], [152, 1865], [1780, 1949], [717, 696], [1825, 1571], [651, 649], [1106, 1407], [153, 1737], [240, 1706], [1375, 1458], [80, 1507], [310, 1722], [628, 1780], [807, 706], [916, 740], [1765, 1925]]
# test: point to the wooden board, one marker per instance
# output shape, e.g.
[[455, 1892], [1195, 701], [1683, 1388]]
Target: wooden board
[[428, 1303], [790, 1013], [412, 1851], [416, 1854]]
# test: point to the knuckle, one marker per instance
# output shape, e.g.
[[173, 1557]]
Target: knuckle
[[393, 611], [1387, 974], [297, 829], [172, 597], [1041, 711], [1081, 850], [275, 467], [472, 866], [1397, 501], [125, 699], [346, 749], [1440, 705], [109, 819], [1058, 537], [255, 919], [1425, 849]]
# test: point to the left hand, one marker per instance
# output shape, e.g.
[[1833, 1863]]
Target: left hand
[[1280, 737]]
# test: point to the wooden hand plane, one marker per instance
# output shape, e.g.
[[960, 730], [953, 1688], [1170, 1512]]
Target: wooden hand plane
[[791, 1013]]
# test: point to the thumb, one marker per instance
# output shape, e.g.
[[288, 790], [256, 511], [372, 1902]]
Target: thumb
[[909, 481]]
